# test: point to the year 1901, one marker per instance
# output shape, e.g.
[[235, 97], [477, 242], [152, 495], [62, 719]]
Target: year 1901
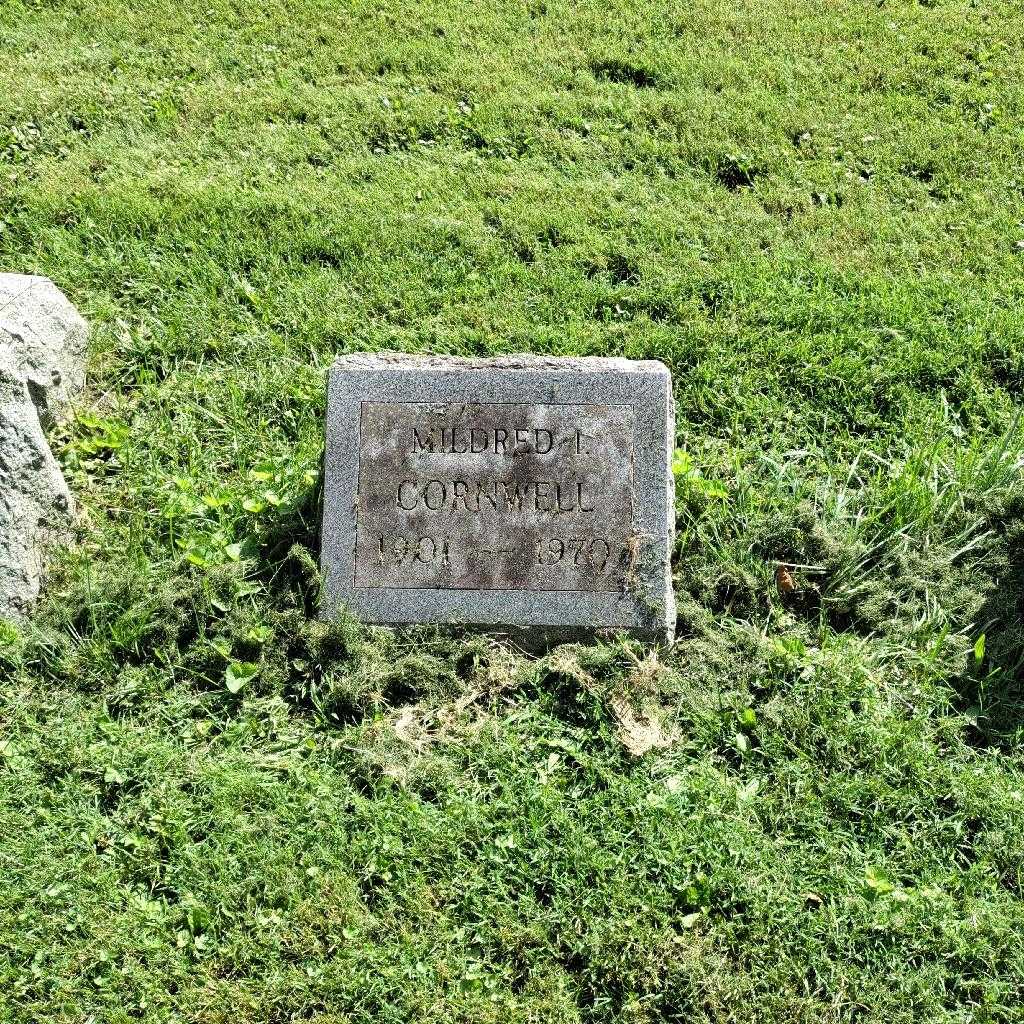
[[406, 551]]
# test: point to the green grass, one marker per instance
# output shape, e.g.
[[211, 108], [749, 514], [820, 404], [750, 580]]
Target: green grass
[[814, 214]]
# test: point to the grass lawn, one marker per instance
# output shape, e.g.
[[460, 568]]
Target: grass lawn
[[214, 808]]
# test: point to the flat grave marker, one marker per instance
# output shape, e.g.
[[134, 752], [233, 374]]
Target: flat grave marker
[[523, 493]]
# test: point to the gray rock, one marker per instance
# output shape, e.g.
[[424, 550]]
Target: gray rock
[[529, 493], [42, 368], [48, 337]]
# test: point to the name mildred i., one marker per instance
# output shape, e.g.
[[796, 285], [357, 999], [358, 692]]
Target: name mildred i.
[[496, 494]]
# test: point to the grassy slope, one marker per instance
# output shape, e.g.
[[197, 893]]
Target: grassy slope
[[811, 215]]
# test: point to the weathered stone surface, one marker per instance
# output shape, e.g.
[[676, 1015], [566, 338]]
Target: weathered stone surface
[[524, 492], [42, 367], [35, 504], [48, 337]]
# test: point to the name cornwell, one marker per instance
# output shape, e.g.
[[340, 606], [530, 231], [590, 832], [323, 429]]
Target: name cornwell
[[508, 491]]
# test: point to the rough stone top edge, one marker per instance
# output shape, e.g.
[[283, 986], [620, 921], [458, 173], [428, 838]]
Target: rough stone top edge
[[16, 289], [24, 294], [6, 275], [400, 361]]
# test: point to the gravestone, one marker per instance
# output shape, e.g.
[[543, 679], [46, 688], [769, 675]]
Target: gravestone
[[523, 493]]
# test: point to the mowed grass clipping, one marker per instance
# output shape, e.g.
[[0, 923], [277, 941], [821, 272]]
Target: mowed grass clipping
[[215, 808]]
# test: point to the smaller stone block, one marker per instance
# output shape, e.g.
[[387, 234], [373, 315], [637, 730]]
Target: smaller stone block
[[525, 493], [48, 337], [35, 503], [42, 368]]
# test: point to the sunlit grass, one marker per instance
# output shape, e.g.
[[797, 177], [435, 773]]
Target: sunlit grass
[[214, 807]]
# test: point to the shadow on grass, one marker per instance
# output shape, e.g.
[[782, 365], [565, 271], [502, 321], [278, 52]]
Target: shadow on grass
[[994, 680], [289, 553]]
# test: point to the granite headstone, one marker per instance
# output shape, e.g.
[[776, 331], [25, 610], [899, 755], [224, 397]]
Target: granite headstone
[[522, 493]]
